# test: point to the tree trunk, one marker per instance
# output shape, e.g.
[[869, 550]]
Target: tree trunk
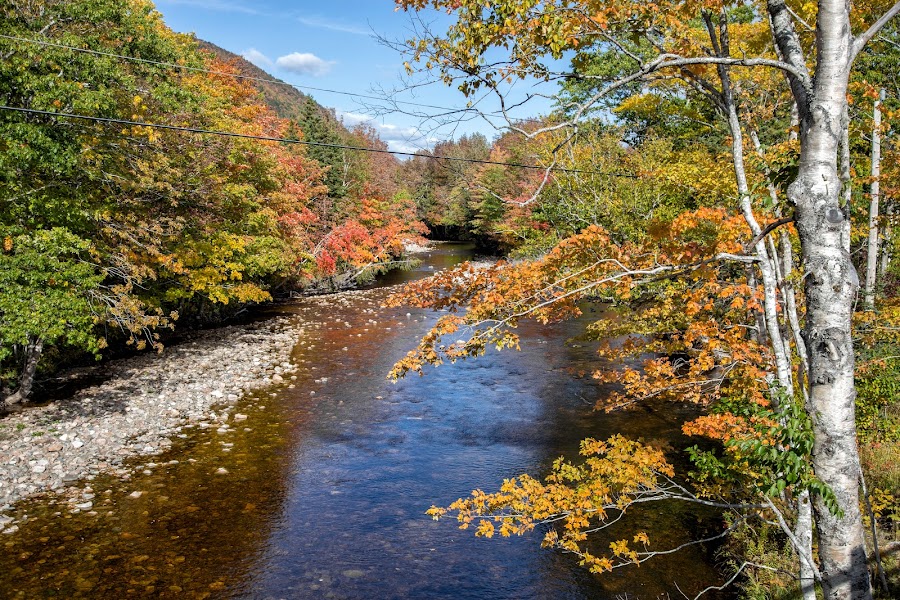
[[872, 252], [766, 266], [831, 284], [786, 258], [885, 239], [846, 180], [803, 531], [33, 350]]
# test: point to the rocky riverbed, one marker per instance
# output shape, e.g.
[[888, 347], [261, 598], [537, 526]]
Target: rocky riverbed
[[147, 401], [143, 404]]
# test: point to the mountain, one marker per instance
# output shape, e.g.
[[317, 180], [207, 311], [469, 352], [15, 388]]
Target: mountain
[[286, 101]]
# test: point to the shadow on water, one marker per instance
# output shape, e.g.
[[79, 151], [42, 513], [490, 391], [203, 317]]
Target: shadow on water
[[325, 485]]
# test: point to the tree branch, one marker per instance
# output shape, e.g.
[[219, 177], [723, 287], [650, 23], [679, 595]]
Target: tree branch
[[677, 61], [767, 230], [864, 38], [790, 534], [740, 569]]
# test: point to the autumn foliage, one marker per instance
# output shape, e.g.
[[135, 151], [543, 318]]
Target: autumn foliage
[[149, 226], [677, 199]]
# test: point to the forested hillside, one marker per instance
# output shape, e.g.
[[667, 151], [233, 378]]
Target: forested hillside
[[286, 101], [113, 230]]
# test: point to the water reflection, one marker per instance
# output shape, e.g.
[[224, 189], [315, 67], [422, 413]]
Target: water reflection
[[322, 494], [183, 527]]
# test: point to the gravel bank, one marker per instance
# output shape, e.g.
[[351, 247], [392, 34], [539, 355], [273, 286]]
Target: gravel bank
[[141, 407]]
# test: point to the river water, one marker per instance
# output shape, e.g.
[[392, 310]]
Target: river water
[[327, 485]]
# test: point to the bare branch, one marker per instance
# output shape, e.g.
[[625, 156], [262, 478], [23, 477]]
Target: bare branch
[[531, 199], [661, 62], [737, 573], [794, 541], [800, 20]]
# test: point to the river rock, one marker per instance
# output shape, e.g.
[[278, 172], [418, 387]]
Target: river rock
[[144, 401], [353, 573]]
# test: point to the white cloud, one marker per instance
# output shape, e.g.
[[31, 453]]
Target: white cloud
[[398, 138], [304, 63], [409, 148], [258, 58], [332, 25], [350, 119]]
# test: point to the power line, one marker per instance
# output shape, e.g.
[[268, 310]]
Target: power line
[[272, 81], [264, 138]]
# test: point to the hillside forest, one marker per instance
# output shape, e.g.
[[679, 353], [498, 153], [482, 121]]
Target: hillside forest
[[114, 233], [707, 174]]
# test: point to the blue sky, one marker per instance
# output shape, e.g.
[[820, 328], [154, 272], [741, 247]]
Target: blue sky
[[332, 44]]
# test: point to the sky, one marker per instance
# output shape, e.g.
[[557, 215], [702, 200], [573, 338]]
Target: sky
[[332, 44]]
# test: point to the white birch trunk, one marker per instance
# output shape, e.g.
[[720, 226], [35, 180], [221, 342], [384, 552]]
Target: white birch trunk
[[872, 252], [803, 532], [831, 284], [846, 181], [885, 241], [790, 296], [780, 351]]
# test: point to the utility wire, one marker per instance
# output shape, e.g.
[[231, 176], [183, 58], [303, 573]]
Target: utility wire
[[272, 81], [58, 115]]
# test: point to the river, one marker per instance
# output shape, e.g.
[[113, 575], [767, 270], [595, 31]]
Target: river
[[322, 493]]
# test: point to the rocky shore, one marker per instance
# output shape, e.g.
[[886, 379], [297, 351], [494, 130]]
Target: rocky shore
[[143, 404]]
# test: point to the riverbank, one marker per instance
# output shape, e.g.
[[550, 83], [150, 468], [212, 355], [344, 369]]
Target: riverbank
[[143, 404]]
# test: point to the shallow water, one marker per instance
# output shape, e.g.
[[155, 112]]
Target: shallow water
[[325, 493]]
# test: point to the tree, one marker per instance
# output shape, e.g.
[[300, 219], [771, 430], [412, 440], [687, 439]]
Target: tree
[[669, 47], [321, 128], [441, 187], [371, 171], [47, 284], [872, 253]]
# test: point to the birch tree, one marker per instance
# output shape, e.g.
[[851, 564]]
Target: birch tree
[[872, 252]]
